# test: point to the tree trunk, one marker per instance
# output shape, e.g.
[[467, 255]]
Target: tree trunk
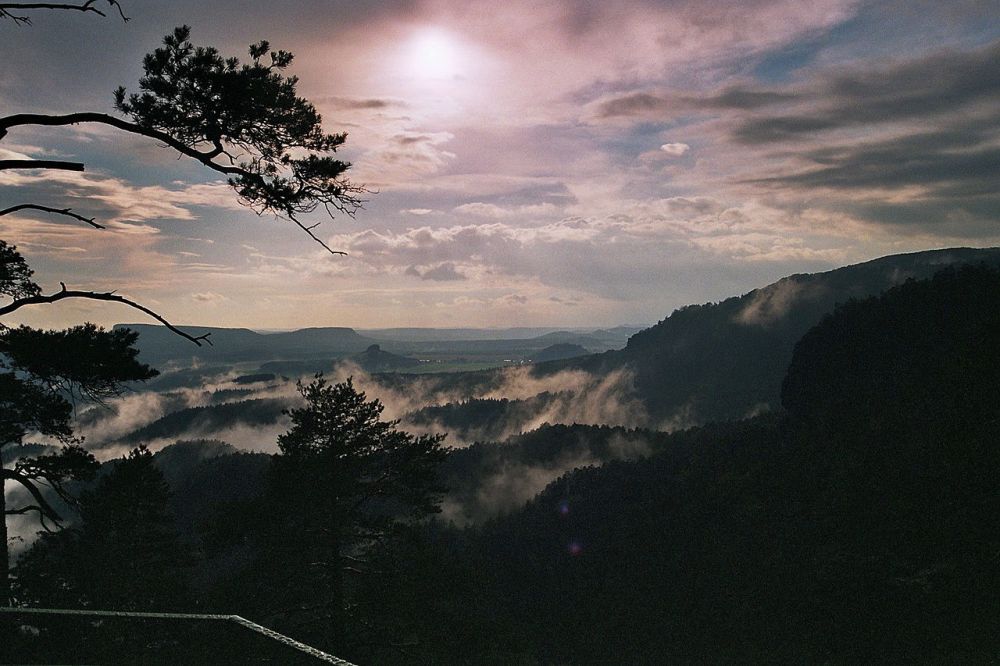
[[336, 630], [4, 554]]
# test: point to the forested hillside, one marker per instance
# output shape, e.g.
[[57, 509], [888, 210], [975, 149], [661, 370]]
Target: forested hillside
[[860, 528], [726, 360]]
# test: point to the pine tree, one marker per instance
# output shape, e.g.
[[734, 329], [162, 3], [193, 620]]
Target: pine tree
[[124, 554]]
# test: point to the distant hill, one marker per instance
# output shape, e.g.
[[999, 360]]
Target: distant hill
[[258, 378], [414, 334], [703, 363], [298, 368], [315, 349], [158, 345], [560, 351], [374, 359], [600, 340], [726, 360]]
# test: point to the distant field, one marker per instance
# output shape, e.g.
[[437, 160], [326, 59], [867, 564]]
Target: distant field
[[454, 366]]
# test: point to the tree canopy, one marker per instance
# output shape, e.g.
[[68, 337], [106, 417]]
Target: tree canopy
[[344, 481], [123, 554], [42, 375], [242, 120]]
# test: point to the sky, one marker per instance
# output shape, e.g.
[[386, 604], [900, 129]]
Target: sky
[[566, 163]]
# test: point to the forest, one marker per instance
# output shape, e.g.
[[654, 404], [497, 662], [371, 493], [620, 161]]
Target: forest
[[855, 523]]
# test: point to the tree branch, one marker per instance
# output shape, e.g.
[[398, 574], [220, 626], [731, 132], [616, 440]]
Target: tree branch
[[47, 509], [88, 6], [68, 212], [205, 158], [308, 231], [40, 164], [99, 296]]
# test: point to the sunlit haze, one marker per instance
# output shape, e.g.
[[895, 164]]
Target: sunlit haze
[[432, 55]]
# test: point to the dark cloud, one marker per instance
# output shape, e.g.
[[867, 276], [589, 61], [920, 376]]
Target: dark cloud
[[973, 219], [413, 139], [908, 160], [913, 144], [934, 84], [635, 104], [352, 103], [928, 87], [662, 105], [742, 98]]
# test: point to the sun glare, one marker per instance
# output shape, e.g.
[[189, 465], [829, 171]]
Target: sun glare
[[433, 54]]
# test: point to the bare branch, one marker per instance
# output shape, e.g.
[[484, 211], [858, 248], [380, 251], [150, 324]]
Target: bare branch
[[18, 20], [47, 510], [23, 510], [308, 230], [40, 164], [99, 296], [88, 7], [68, 212]]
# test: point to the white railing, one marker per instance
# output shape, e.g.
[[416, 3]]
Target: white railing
[[241, 621]]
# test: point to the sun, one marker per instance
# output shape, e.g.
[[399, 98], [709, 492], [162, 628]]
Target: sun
[[440, 72], [433, 54]]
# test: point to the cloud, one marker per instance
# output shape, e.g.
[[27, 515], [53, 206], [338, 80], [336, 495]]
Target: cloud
[[104, 426], [741, 98], [771, 303], [111, 199], [909, 143], [585, 254], [635, 105], [818, 131], [404, 156], [444, 272], [959, 161], [768, 247], [510, 486], [208, 297], [515, 299], [496, 212], [943, 83], [514, 482], [675, 149], [360, 103]]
